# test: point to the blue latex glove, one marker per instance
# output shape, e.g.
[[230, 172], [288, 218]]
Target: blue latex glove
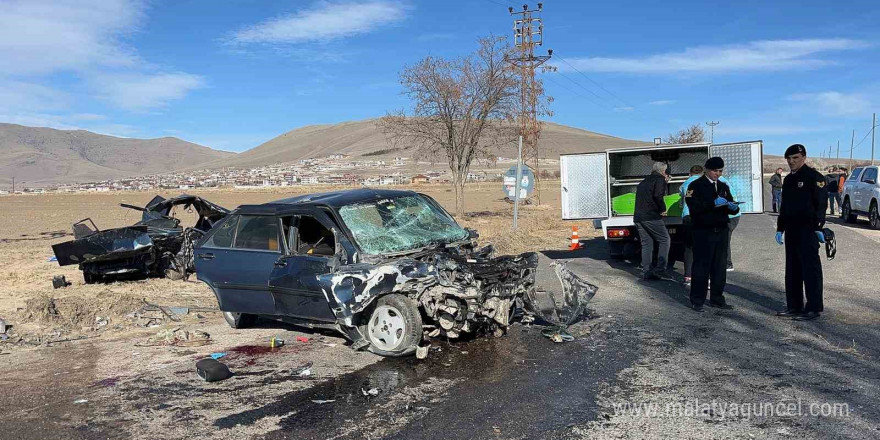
[[721, 201], [820, 236], [779, 238], [733, 206]]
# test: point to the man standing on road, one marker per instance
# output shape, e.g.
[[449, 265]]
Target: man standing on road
[[832, 183], [687, 224], [648, 217], [776, 189], [801, 220], [709, 202]]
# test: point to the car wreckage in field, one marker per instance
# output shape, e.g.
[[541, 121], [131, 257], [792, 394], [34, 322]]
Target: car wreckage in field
[[157, 245], [385, 268]]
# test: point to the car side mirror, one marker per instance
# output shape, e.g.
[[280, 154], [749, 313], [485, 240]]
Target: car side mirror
[[871, 181]]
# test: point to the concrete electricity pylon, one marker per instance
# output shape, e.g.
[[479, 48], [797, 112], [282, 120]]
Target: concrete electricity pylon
[[712, 125], [528, 32]]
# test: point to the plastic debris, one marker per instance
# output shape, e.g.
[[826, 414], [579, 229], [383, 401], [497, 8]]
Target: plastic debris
[[101, 322], [303, 370], [59, 281], [557, 335], [2, 327], [216, 356], [212, 370], [422, 352], [370, 392], [52, 259], [321, 402], [179, 310], [302, 339], [79, 401], [276, 342]]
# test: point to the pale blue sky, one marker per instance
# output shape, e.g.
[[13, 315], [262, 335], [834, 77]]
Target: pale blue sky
[[233, 74]]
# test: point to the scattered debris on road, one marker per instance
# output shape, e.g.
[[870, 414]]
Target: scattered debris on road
[[212, 370], [216, 356], [303, 370], [422, 352], [321, 402], [276, 342], [371, 392], [178, 337], [59, 281]]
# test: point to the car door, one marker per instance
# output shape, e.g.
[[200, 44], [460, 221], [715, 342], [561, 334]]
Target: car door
[[866, 187], [311, 243], [237, 264], [851, 187]]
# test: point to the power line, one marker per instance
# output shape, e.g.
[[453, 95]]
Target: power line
[[592, 81]]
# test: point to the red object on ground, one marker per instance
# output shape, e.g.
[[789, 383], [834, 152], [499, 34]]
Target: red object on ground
[[302, 339], [575, 239]]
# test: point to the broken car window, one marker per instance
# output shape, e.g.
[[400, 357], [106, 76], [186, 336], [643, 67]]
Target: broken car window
[[257, 232], [222, 238], [399, 224]]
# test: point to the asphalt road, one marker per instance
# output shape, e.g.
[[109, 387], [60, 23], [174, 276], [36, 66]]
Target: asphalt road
[[642, 346]]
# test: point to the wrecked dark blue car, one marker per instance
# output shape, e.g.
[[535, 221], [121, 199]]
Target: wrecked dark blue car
[[385, 268]]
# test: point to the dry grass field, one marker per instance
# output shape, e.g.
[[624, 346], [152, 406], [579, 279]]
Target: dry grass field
[[30, 224]]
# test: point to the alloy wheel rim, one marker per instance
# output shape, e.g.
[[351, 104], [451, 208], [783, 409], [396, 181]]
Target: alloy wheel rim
[[387, 328]]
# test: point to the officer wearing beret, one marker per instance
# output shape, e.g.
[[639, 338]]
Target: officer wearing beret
[[801, 219], [710, 202]]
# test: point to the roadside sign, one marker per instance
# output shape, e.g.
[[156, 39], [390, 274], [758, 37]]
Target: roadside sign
[[526, 183]]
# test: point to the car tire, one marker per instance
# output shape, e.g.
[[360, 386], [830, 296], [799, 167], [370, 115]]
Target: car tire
[[846, 212], [874, 216], [393, 326], [91, 278], [239, 320]]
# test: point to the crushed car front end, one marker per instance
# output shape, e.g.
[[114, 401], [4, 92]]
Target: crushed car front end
[[412, 247]]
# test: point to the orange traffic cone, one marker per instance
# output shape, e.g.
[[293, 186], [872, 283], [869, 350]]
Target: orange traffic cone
[[575, 239]]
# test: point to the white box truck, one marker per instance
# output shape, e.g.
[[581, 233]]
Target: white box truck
[[592, 181]]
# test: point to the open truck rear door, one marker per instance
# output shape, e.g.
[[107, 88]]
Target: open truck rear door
[[743, 169], [584, 186]]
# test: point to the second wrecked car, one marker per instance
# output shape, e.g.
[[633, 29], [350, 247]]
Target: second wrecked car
[[383, 267], [157, 245]]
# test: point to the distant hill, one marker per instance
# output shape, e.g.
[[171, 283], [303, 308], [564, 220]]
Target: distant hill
[[363, 139], [39, 156]]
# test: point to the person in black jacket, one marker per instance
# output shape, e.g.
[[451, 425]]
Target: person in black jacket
[[710, 202], [801, 220], [648, 217]]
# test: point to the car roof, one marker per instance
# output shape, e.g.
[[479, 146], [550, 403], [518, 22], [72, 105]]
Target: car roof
[[332, 199]]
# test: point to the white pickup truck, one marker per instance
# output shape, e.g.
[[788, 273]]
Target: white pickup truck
[[861, 195], [592, 181]]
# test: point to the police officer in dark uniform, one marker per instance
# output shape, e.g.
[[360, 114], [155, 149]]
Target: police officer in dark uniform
[[801, 219], [710, 202]]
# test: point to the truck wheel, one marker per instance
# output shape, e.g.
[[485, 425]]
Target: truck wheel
[[846, 213], [394, 326], [239, 320], [874, 216]]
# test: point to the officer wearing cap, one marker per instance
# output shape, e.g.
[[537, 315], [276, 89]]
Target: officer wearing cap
[[710, 202], [800, 222]]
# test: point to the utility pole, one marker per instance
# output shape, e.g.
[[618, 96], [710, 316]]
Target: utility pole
[[851, 147], [712, 125], [873, 127], [528, 32], [838, 150], [13, 184]]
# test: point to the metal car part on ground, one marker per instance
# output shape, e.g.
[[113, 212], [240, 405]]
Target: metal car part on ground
[[157, 245], [385, 268]]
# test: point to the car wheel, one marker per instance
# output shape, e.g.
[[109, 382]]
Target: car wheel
[[846, 213], [394, 326], [239, 320], [874, 216]]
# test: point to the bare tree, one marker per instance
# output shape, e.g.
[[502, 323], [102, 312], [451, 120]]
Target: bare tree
[[463, 108], [690, 135]]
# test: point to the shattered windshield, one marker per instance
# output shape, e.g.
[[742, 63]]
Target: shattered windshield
[[399, 224]]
